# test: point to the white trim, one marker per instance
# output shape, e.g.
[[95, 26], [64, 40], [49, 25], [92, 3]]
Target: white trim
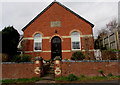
[[66, 50], [45, 37], [47, 51], [48, 37], [28, 38], [88, 50], [86, 35], [66, 36]]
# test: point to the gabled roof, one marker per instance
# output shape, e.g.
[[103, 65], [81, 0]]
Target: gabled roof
[[63, 7]]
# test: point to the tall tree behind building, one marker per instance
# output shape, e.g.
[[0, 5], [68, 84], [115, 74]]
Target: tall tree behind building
[[10, 40]]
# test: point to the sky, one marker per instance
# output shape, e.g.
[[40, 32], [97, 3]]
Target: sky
[[19, 13]]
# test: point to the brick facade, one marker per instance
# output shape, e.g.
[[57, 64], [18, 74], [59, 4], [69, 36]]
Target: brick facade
[[90, 68], [21, 70], [70, 22], [27, 70]]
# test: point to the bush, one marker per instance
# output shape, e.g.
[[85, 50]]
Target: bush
[[82, 76], [72, 77], [25, 58], [101, 72], [108, 55], [5, 57], [78, 55], [16, 58], [61, 78], [110, 74], [21, 58]]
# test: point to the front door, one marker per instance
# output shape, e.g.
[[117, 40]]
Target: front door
[[55, 47]]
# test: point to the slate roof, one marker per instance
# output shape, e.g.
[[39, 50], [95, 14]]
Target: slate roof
[[63, 7]]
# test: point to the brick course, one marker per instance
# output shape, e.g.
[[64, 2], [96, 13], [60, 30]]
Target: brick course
[[89, 68], [20, 70]]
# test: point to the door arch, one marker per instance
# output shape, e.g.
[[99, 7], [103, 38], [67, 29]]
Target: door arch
[[56, 47]]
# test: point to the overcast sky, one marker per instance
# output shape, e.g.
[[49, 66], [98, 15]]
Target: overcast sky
[[20, 12]]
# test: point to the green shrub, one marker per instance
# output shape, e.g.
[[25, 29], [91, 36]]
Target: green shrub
[[101, 72], [110, 74], [78, 55], [82, 76], [25, 58], [72, 77], [61, 78], [21, 58], [16, 58]]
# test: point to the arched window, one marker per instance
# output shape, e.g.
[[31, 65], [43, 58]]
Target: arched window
[[37, 42], [75, 40]]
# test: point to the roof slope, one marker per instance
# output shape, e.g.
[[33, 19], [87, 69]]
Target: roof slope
[[61, 6]]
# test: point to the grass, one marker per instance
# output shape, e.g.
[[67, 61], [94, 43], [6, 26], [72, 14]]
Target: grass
[[87, 78], [24, 80]]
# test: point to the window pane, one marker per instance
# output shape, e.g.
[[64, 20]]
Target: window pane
[[75, 39], [37, 35], [75, 45], [75, 36], [37, 46], [37, 41]]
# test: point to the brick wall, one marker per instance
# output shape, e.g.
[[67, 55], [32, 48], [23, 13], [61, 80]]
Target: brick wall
[[18, 70], [69, 23], [90, 68]]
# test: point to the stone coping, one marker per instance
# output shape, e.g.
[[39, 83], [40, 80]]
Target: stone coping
[[17, 62], [91, 61]]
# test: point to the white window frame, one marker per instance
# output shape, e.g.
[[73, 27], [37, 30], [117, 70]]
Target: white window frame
[[37, 40], [77, 40]]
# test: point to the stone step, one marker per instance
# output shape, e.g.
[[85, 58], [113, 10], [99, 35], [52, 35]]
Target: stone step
[[51, 66], [50, 72], [48, 78]]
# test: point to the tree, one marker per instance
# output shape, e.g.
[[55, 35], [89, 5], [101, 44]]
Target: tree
[[10, 40], [112, 25]]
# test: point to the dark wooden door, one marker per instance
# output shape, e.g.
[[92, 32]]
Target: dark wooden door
[[55, 47]]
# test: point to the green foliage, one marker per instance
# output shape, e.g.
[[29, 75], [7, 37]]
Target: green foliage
[[110, 74], [24, 80], [88, 78], [78, 55], [66, 59], [4, 57], [72, 77], [25, 58], [10, 39], [16, 58], [82, 76], [61, 78], [100, 71], [21, 58]]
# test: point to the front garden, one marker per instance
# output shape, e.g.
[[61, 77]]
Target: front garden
[[82, 78], [68, 79]]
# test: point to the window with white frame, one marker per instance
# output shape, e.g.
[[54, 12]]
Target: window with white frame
[[75, 40], [37, 42]]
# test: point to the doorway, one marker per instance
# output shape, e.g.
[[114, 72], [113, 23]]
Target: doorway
[[56, 47]]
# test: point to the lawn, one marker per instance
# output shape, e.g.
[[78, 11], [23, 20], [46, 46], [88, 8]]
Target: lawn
[[24, 80], [83, 78]]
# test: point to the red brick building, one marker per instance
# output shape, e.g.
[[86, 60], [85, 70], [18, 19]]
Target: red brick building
[[58, 31]]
